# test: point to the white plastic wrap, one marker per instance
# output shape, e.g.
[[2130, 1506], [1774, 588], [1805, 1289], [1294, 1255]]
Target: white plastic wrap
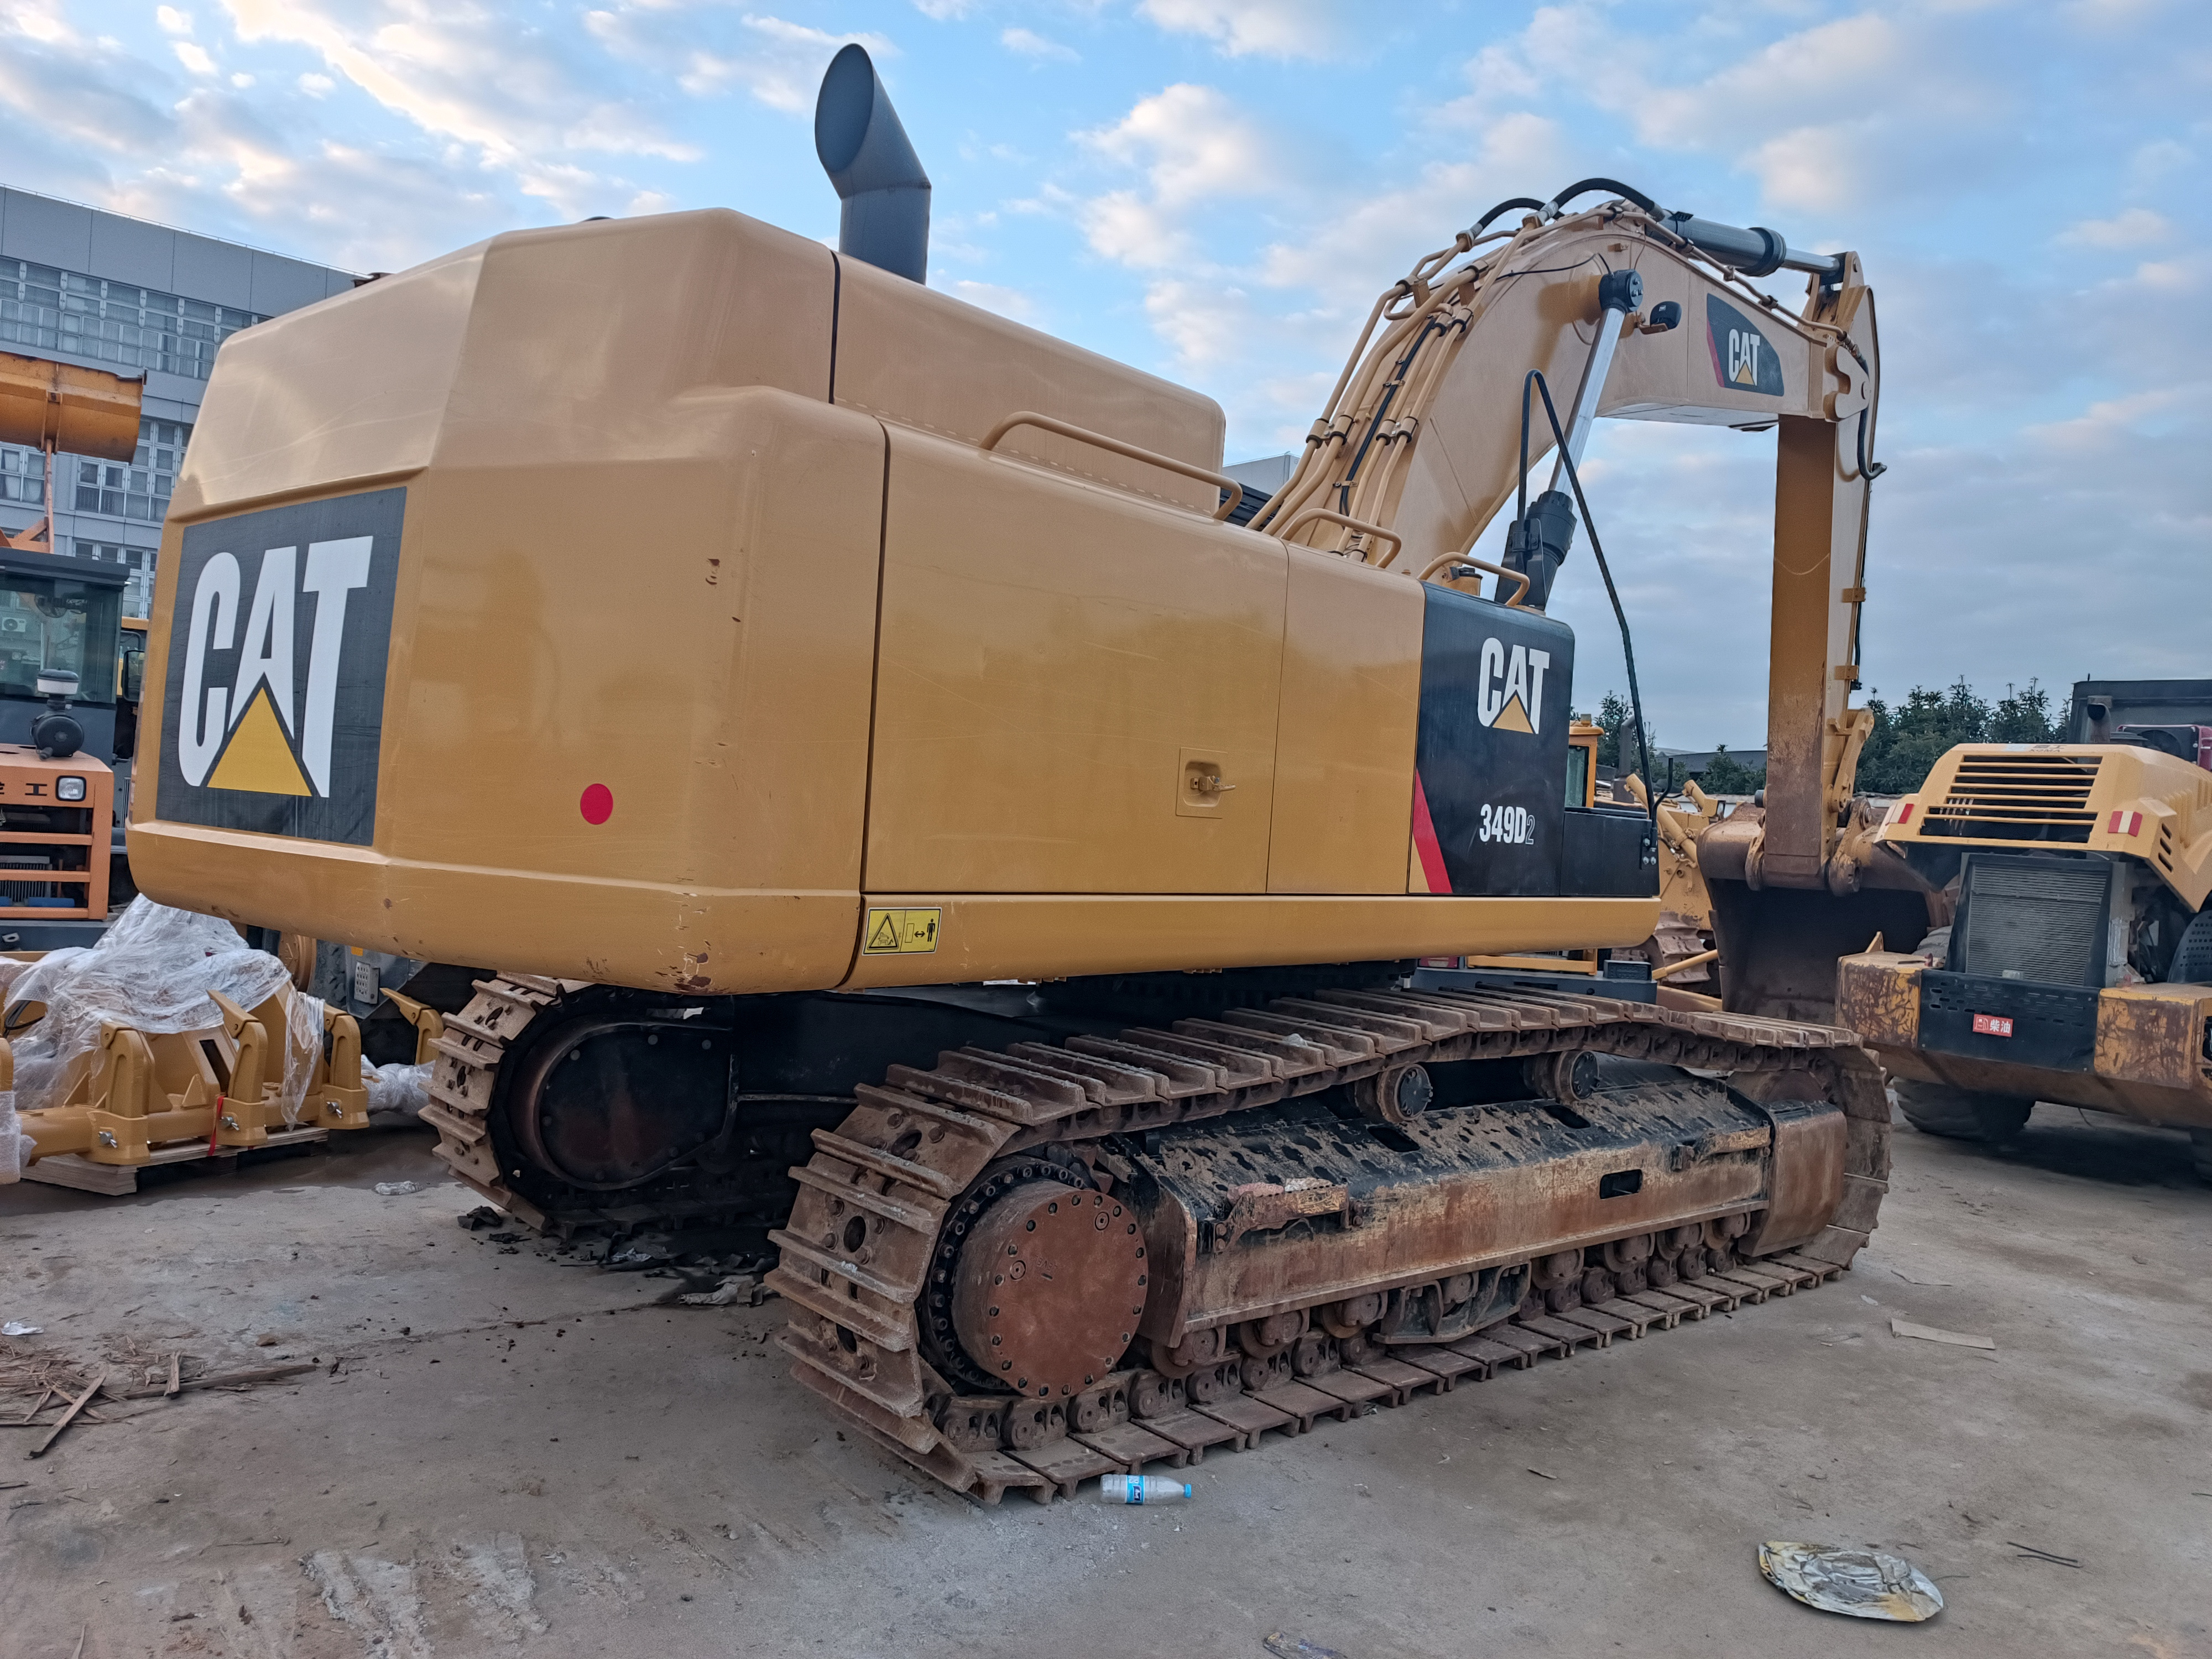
[[397, 1088], [15, 1145], [152, 970]]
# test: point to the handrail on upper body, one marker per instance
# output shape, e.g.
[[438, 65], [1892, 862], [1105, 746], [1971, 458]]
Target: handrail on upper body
[[1099, 440], [1327, 515], [1497, 570]]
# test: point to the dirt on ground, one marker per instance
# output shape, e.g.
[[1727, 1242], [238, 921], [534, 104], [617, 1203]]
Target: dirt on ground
[[499, 1449]]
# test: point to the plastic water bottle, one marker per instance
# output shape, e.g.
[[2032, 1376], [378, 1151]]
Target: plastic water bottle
[[1142, 1489]]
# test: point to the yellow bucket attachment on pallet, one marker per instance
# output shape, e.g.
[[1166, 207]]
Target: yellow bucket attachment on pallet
[[138, 1094]]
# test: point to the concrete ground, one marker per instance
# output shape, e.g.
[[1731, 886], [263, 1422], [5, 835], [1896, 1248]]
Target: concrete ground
[[520, 1455]]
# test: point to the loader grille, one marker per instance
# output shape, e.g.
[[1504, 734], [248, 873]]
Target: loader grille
[[2041, 920], [18, 891], [2018, 798]]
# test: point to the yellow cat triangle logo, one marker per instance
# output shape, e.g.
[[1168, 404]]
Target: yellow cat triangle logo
[[1513, 717], [257, 757]]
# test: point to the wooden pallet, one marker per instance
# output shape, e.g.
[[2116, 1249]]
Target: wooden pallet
[[114, 1180]]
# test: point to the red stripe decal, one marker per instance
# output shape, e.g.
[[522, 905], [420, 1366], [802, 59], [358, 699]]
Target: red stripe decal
[[1424, 842]]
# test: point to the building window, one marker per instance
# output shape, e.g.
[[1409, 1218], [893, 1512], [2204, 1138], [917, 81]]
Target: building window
[[141, 491], [137, 561], [23, 476], [113, 322]]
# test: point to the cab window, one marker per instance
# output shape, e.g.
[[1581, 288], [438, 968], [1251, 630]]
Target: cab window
[[58, 625]]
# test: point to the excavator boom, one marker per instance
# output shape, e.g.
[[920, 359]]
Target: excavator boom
[[1647, 315]]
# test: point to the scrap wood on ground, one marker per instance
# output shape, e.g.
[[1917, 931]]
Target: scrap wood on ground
[[39, 1382]]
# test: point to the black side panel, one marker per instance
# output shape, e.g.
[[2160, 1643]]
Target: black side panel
[[1491, 758], [2053, 1026], [274, 709], [1609, 854]]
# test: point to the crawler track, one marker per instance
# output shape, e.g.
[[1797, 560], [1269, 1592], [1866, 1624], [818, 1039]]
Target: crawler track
[[896, 1182], [462, 1081], [861, 1253]]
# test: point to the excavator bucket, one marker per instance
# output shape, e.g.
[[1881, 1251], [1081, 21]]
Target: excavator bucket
[[1779, 946]]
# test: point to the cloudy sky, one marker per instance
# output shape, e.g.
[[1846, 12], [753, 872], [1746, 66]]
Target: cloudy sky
[[1217, 189]]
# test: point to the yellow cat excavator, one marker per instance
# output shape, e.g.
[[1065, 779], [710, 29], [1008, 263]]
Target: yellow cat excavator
[[892, 804]]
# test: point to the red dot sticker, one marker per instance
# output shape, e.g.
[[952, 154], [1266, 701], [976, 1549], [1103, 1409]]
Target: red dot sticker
[[598, 805]]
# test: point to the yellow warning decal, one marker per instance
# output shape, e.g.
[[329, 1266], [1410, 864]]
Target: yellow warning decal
[[902, 932]]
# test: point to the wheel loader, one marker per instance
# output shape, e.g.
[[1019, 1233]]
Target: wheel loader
[[2078, 967], [69, 673], [898, 808]]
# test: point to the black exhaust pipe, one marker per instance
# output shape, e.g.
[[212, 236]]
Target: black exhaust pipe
[[864, 149]]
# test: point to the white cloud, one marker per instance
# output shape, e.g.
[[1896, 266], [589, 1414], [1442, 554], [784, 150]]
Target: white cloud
[[1123, 227], [462, 71], [778, 62], [84, 96], [2167, 275], [1773, 87], [943, 11], [316, 86], [1029, 45], [172, 21], [1926, 97], [1006, 301], [2130, 228], [1267, 28], [1194, 145], [1205, 323], [1366, 238], [2156, 160], [2109, 422], [1196, 148], [192, 57]]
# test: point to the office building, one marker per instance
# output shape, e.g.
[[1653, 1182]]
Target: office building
[[80, 285]]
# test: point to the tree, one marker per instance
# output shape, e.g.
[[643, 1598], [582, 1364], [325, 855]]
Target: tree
[[2023, 717], [1618, 722], [1724, 774], [1907, 742]]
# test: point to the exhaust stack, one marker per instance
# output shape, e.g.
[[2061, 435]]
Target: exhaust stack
[[866, 152]]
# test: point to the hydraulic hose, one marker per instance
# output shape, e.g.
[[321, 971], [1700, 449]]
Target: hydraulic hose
[[1627, 645], [1527, 204], [1581, 185]]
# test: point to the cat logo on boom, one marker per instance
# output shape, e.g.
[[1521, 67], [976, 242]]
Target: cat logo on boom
[[1744, 360], [1509, 688], [275, 669]]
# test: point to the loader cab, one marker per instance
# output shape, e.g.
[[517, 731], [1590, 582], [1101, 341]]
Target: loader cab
[[129, 682], [60, 613], [1581, 762]]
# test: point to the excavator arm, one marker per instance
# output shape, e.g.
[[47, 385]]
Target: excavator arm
[[1628, 310]]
